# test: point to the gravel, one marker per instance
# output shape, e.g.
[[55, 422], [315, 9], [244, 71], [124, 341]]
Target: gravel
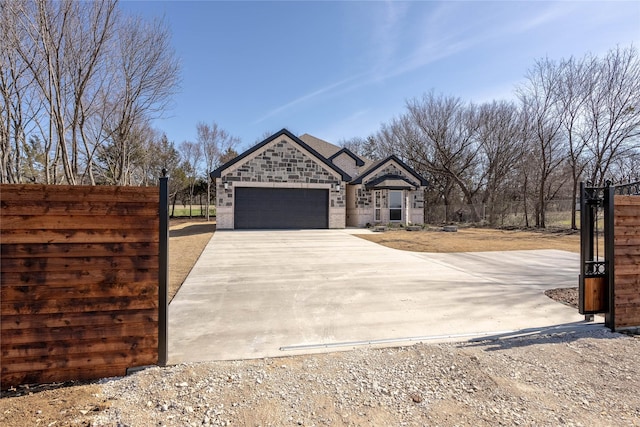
[[580, 378]]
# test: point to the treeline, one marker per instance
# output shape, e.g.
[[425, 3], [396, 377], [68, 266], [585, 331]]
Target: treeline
[[79, 85], [574, 120]]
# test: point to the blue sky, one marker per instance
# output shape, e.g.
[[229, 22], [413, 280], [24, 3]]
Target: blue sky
[[338, 70]]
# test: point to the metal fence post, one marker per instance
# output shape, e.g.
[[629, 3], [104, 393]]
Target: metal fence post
[[609, 250], [163, 291]]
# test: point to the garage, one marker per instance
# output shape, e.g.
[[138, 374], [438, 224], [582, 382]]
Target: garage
[[281, 208]]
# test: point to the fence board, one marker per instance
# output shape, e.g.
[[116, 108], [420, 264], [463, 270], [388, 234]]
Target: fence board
[[79, 305], [79, 236], [63, 250], [31, 207], [74, 222], [89, 372], [106, 194], [85, 276], [73, 347], [11, 265], [30, 321], [81, 332], [79, 281], [13, 293]]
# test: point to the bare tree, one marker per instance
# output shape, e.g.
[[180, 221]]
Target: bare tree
[[543, 112], [500, 147], [441, 136], [147, 77], [613, 111], [371, 147], [229, 154], [213, 141], [78, 78], [191, 153], [93, 28], [576, 81]]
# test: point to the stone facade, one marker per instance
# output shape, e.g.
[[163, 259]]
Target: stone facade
[[280, 164], [360, 204], [286, 161]]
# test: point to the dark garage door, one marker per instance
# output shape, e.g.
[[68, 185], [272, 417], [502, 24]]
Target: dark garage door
[[281, 208]]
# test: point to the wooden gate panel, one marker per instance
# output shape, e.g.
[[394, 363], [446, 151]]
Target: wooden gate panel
[[627, 261], [79, 281]]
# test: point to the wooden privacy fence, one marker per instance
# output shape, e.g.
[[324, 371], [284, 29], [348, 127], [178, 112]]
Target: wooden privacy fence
[[626, 291], [610, 278], [79, 281]]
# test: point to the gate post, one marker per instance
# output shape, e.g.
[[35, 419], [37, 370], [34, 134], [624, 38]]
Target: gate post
[[163, 291], [593, 284], [609, 249]]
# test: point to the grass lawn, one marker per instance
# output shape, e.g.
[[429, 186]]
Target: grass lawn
[[181, 211]]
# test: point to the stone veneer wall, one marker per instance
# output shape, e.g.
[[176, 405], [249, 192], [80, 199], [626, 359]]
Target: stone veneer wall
[[361, 212], [280, 164]]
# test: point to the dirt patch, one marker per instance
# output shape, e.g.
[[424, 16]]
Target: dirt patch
[[52, 405], [476, 240], [567, 296]]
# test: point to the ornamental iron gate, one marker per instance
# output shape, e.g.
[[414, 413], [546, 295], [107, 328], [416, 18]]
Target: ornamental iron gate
[[597, 280]]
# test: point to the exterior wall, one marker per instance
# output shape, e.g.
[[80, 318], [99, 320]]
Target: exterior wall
[[280, 164], [347, 164], [360, 210], [352, 214], [416, 206]]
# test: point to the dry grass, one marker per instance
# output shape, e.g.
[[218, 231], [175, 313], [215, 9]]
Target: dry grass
[[476, 240], [187, 240]]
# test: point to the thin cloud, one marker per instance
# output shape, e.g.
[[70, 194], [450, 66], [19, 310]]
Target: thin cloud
[[438, 35], [306, 97]]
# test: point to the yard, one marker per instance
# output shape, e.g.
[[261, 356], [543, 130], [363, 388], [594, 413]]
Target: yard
[[476, 240], [45, 405]]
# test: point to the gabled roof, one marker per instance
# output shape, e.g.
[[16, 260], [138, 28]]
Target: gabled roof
[[358, 160], [218, 172], [393, 182], [369, 171]]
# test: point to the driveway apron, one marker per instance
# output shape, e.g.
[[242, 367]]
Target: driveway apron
[[255, 294]]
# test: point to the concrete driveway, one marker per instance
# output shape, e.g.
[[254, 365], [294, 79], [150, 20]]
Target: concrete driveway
[[256, 294]]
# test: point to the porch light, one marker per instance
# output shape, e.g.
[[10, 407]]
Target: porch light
[[338, 188], [226, 185]]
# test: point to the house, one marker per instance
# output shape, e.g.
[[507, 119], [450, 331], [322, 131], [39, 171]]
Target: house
[[304, 182]]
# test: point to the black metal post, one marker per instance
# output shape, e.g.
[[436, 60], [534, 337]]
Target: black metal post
[[163, 290], [609, 251], [584, 232]]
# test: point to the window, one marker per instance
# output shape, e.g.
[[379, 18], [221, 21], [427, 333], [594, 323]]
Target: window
[[395, 205], [377, 196]]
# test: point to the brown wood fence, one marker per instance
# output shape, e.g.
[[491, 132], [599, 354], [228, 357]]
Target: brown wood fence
[[626, 307], [79, 281]]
